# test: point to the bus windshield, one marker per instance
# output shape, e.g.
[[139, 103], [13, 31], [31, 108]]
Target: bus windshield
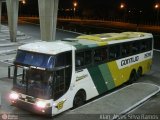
[[41, 75], [34, 82], [35, 59]]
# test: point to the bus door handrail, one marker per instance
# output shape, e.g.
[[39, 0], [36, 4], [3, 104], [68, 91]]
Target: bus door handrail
[[9, 71]]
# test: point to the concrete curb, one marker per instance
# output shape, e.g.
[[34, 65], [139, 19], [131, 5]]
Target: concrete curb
[[140, 102], [8, 44], [7, 51]]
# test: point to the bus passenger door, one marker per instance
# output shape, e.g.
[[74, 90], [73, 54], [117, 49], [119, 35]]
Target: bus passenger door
[[59, 84]]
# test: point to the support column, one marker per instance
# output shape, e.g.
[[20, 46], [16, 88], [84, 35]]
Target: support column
[[48, 18], [0, 13], [12, 10]]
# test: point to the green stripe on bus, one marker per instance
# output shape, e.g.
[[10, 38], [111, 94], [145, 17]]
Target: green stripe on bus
[[80, 46], [98, 79], [92, 45], [107, 76]]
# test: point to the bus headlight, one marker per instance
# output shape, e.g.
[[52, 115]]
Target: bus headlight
[[41, 104], [14, 96]]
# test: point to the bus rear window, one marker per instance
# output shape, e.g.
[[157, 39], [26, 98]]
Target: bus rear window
[[35, 59]]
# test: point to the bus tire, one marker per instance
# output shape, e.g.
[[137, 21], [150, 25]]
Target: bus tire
[[139, 72], [133, 77], [79, 99]]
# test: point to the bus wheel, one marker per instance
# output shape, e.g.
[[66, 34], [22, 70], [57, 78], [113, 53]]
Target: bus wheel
[[79, 99], [133, 77], [139, 72]]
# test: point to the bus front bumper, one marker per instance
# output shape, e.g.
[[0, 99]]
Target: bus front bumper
[[33, 108]]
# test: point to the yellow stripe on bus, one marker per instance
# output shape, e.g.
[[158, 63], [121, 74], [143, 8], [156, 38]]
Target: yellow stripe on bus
[[121, 76]]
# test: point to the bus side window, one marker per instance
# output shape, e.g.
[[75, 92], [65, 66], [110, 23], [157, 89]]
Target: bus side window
[[100, 55], [83, 58], [88, 57], [135, 47], [114, 52], [143, 46], [150, 44], [104, 53], [97, 57], [79, 59], [126, 49]]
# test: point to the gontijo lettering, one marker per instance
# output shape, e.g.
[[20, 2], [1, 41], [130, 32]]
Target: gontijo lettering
[[129, 60]]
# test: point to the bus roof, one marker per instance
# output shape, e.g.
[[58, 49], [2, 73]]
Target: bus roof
[[84, 42], [94, 40], [51, 48]]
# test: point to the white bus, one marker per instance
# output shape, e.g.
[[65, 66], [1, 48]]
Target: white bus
[[64, 74]]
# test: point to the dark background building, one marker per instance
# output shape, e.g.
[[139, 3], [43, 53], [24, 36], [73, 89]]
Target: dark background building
[[132, 10]]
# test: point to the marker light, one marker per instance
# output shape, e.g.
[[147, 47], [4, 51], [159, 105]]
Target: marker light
[[13, 96], [41, 104]]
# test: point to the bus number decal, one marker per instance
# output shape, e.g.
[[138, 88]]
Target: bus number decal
[[146, 55]]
